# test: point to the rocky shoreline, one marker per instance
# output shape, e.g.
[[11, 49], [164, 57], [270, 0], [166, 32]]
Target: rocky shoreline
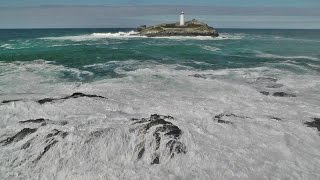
[[191, 28]]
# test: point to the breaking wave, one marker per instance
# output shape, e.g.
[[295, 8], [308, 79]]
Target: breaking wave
[[95, 36]]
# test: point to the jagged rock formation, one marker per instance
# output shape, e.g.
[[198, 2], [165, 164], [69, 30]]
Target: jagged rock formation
[[159, 137], [191, 28]]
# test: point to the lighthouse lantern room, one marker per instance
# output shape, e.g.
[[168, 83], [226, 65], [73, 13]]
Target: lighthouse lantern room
[[182, 19]]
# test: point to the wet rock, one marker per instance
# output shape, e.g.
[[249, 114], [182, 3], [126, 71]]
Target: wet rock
[[51, 139], [141, 153], [45, 100], [162, 132], [275, 118], [44, 122], [225, 122], [203, 76], [74, 95], [19, 136], [219, 117], [275, 86], [315, 123], [156, 160], [40, 120], [266, 79], [283, 94], [45, 150], [9, 101], [56, 132], [265, 93], [26, 145], [95, 135]]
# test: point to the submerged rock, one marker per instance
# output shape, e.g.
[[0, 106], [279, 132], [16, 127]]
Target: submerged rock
[[191, 28], [266, 79], [9, 101], [265, 93], [275, 118], [283, 94], [19, 136], [44, 122], [219, 118], [315, 123], [275, 86], [50, 140], [162, 134]]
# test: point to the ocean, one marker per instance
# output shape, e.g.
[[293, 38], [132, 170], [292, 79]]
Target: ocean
[[110, 104]]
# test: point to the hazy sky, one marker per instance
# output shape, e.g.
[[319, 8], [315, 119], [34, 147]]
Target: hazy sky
[[131, 13]]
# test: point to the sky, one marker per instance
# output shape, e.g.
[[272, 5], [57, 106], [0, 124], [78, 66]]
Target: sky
[[276, 14]]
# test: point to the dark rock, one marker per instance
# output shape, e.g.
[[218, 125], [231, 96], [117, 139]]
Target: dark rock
[[275, 118], [219, 118], [9, 101], [44, 122], [45, 100], [26, 145], [265, 93], [176, 146], [283, 94], [74, 95], [51, 140], [156, 160], [140, 28], [203, 76], [57, 132], [158, 126], [19, 136], [191, 28], [141, 153], [315, 123], [40, 120], [46, 149], [225, 122]]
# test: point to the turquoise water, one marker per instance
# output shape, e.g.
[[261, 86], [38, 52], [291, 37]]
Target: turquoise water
[[235, 48]]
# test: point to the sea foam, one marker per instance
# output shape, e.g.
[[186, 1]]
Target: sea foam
[[274, 56]]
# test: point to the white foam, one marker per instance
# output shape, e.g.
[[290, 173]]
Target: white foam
[[231, 36], [133, 34], [274, 56], [251, 148], [95, 36], [7, 46], [210, 48]]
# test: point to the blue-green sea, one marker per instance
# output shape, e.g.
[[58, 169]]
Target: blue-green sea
[[235, 48], [110, 104]]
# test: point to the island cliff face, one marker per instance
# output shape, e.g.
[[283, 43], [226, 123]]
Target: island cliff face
[[191, 28]]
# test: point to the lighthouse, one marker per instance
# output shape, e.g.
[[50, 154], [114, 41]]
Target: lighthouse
[[182, 19]]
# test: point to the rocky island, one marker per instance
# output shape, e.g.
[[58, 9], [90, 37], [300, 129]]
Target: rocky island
[[189, 28]]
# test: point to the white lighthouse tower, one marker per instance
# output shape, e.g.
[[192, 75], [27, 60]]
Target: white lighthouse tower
[[182, 19]]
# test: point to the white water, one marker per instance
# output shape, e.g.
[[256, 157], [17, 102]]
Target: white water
[[268, 55], [256, 147], [133, 34]]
